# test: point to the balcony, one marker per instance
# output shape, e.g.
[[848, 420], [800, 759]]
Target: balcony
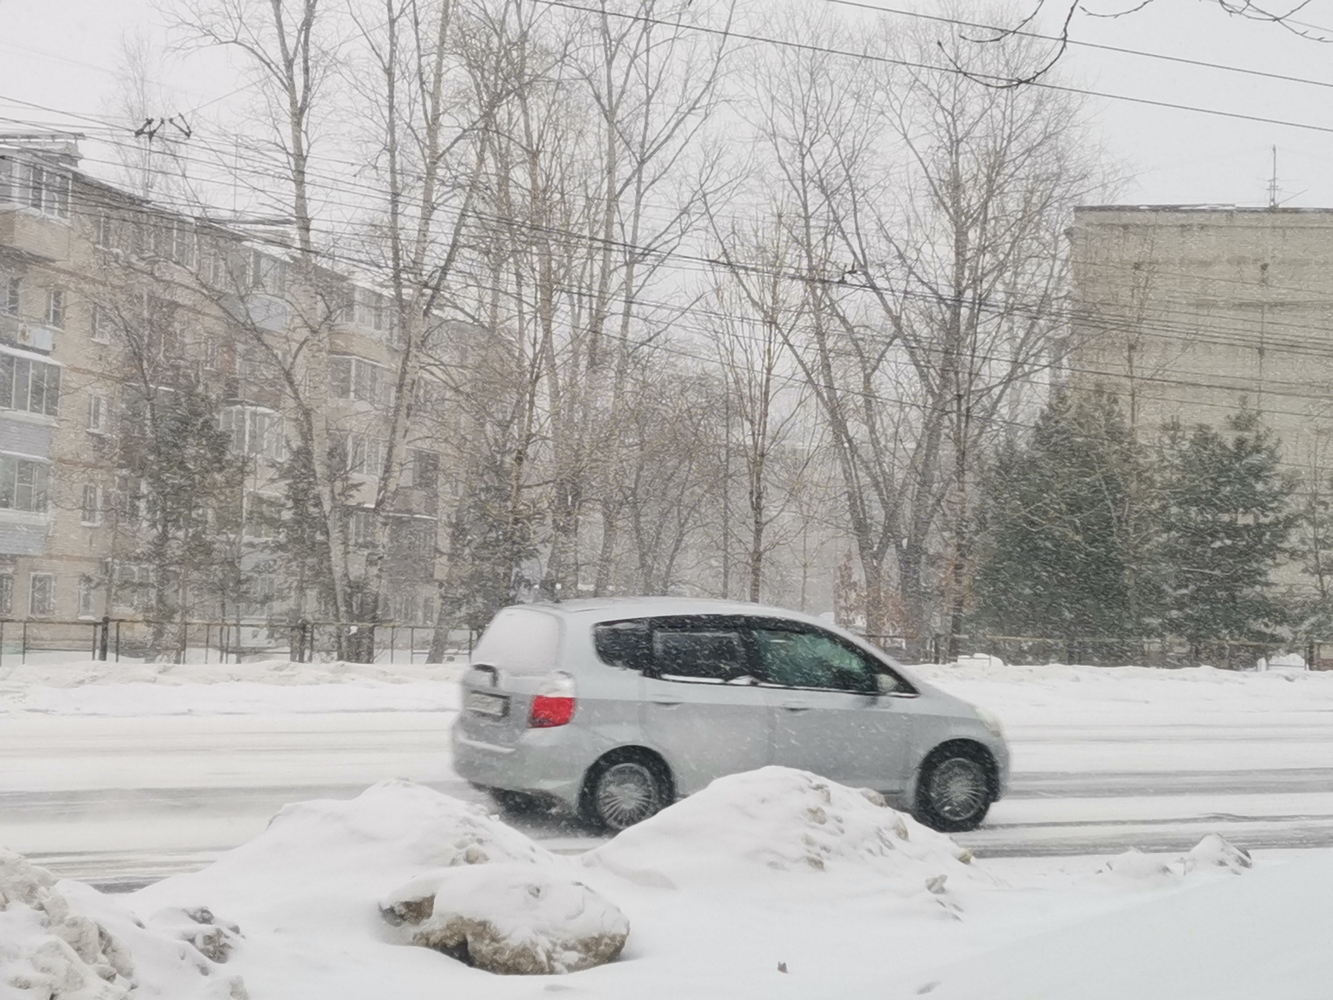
[[262, 312], [34, 235]]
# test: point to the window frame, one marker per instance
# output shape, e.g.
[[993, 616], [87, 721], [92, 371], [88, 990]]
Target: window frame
[[54, 315], [11, 294], [49, 579], [11, 363], [99, 413], [37, 489], [92, 504]]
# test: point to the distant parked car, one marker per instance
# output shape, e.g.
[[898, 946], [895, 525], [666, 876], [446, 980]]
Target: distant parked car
[[614, 708]]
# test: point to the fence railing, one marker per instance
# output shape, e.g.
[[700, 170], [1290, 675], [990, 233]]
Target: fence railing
[[1316, 651], [203, 641]]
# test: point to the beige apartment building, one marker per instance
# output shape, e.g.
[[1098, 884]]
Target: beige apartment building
[[112, 311], [1188, 311]]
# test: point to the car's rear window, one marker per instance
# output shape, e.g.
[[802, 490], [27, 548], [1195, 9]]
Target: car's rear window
[[519, 640]]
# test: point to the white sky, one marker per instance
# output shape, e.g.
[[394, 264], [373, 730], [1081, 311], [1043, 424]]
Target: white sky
[[62, 54]]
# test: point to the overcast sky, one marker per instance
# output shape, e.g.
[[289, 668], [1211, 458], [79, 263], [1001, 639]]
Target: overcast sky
[[60, 57]]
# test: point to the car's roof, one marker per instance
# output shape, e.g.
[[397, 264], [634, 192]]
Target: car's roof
[[615, 608]]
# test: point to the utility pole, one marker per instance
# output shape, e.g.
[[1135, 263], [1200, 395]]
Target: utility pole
[[1272, 183]]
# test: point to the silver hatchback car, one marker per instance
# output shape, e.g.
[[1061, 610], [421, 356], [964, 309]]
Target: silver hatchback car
[[614, 708]]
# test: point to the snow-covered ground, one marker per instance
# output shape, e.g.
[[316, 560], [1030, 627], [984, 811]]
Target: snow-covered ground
[[770, 884], [134, 771]]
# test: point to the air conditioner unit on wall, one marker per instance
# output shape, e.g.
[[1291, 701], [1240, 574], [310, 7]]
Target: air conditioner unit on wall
[[36, 338]]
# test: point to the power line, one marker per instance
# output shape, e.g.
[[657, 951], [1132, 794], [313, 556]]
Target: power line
[[1001, 31], [910, 64]]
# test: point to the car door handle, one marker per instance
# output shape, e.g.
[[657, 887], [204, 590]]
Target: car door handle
[[666, 704], [792, 706]]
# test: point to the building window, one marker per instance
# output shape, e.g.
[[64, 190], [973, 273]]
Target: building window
[[134, 586], [372, 310], [425, 469], [256, 431], [356, 378], [92, 505], [23, 485], [10, 287], [6, 583], [105, 234], [8, 178], [41, 594], [361, 526], [97, 413], [87, 596], [363, 455], [44, 190], [263, 516], [26, 384], [55, 308], [100, 329]]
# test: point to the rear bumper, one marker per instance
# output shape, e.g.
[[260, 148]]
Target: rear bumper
[[541, 761]]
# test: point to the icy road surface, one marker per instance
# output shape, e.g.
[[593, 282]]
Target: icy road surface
[[1103, 761]]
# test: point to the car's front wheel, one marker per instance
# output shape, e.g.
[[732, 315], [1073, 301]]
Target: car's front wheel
[[622, 790], [955, 789]]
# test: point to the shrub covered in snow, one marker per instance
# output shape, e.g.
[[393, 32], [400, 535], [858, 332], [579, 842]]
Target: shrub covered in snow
[[769, 826], [511, 919]]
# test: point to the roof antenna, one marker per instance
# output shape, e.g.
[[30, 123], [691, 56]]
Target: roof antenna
[[1272, 183]]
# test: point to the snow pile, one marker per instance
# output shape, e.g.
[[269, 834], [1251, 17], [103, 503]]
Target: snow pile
[[391, 826], [513, 919], [46, 949], [1209, 854], [304, 893], [755, 828]]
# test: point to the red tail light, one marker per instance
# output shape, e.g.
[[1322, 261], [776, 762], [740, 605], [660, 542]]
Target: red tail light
[[550, 710]]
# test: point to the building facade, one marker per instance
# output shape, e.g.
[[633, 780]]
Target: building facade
[[150, 381], [1189, 312]]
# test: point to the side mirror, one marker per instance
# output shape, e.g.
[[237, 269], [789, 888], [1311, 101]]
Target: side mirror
[[888, 684]]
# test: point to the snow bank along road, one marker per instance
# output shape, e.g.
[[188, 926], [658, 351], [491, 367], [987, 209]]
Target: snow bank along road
[[132, 775]]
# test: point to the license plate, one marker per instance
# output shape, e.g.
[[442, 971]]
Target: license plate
[[486, 704]]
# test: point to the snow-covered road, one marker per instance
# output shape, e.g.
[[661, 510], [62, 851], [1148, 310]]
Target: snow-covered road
[[120, 796]]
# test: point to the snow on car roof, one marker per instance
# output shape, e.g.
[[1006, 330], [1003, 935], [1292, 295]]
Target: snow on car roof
[[612, 608]]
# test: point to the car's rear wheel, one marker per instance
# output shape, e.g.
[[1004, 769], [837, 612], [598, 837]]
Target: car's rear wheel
[[955, 789], [624, 789]]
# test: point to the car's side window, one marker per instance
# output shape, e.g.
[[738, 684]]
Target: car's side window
[[793, 658], [627, 644], [706, 654]]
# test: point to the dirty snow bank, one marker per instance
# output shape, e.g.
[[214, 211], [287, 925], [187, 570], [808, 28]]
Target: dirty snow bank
[[64, 941]]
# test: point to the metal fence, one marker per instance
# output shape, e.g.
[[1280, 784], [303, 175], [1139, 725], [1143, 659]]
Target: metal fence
[[1232, 654], [25, 639]]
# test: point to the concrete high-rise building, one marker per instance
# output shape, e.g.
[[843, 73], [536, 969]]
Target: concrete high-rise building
[[112, 310], [1187, 312]]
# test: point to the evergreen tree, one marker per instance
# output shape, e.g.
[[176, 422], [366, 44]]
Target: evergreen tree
[[1227, 517], [1062, 535]]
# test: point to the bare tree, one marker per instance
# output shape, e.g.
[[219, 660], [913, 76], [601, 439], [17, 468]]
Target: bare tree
[[928, 212]]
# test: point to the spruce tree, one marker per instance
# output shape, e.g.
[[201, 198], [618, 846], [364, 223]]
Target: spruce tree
[[1061, 532], [1227, 517]]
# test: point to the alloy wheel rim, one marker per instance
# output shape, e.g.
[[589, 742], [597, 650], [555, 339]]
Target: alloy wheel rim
[[958, 788], [626, 794]]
